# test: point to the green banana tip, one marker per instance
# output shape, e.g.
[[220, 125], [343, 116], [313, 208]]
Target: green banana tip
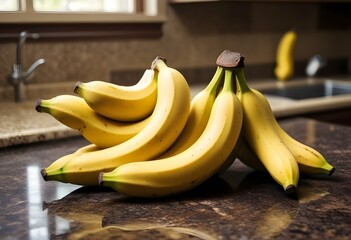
[[44, 174]]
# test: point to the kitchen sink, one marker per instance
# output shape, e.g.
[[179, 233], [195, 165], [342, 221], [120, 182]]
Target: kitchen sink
[[313, 89], [305, 96]]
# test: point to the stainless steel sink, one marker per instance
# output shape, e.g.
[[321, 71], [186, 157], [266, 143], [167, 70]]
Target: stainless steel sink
[[303, 96], [313, 89]]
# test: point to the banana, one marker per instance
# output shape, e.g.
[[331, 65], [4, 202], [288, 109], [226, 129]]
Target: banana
[[246, 155], [121, 103], [75, 113], [64, 159], [166, 123], [259, 131], [310, 161], [200, 110], [285, 56], [184, 171]]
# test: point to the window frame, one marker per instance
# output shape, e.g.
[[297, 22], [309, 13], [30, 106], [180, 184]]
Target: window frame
[[82, 24]]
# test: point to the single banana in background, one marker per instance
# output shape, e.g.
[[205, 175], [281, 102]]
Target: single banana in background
[[259, 131], [310, 161], [166, 123], [285, 56], [200, 110], [75, 113], [121, 103], [191, 167]]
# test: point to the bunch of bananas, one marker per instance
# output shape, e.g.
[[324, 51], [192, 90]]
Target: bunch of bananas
[[151, 139]]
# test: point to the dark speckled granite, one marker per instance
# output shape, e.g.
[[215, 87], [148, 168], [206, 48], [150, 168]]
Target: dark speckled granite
[[240, 204]]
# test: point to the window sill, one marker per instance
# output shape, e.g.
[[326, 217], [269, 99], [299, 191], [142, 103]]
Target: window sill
[[81, 25], [10, 32]]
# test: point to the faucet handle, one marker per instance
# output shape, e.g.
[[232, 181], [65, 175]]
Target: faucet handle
[[34, 35], [32, 68], [314, 65], [25, 34]]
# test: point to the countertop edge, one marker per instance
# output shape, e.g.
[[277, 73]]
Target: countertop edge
[[36, 135]]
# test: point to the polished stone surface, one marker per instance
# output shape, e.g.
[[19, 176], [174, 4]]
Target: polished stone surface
[[240, 204], [20, 123]]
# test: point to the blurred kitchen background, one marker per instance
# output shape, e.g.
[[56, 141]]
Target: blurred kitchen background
[[190, 34]]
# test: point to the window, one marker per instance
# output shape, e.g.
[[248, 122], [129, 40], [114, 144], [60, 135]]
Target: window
[[82, 18], [82, 11], [123, 6], [9, 5]]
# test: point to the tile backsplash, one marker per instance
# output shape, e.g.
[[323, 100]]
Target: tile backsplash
[[192, 38]]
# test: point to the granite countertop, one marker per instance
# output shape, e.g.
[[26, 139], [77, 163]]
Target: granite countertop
[[20, 123], [239, 204]]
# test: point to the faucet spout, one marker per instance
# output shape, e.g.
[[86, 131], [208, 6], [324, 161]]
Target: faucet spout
[[22, 39], [31, 69]]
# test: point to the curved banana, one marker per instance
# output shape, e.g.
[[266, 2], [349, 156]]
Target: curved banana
[[200, 110], [64, 159], [285, 56], [75, 113], [166, 123], [259, 131], [121, 103], [310, 161], [191, 167]]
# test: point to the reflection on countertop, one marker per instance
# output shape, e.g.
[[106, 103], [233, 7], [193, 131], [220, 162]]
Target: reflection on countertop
[[239, 204]]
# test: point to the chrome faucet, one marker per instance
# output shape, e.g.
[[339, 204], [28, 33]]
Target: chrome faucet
[[18, 77]]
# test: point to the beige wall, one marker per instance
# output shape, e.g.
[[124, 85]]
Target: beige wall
[[193, 36]]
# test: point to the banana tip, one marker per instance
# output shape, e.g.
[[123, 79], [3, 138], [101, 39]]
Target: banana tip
[[229, 59], [76, 87], [331, 171], [37, 105], [158, 58], [44, 174], [291, 191], [100, 181]]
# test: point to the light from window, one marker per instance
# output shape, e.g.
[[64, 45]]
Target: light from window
[[121, 6], [81, 11], [9, 5]]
